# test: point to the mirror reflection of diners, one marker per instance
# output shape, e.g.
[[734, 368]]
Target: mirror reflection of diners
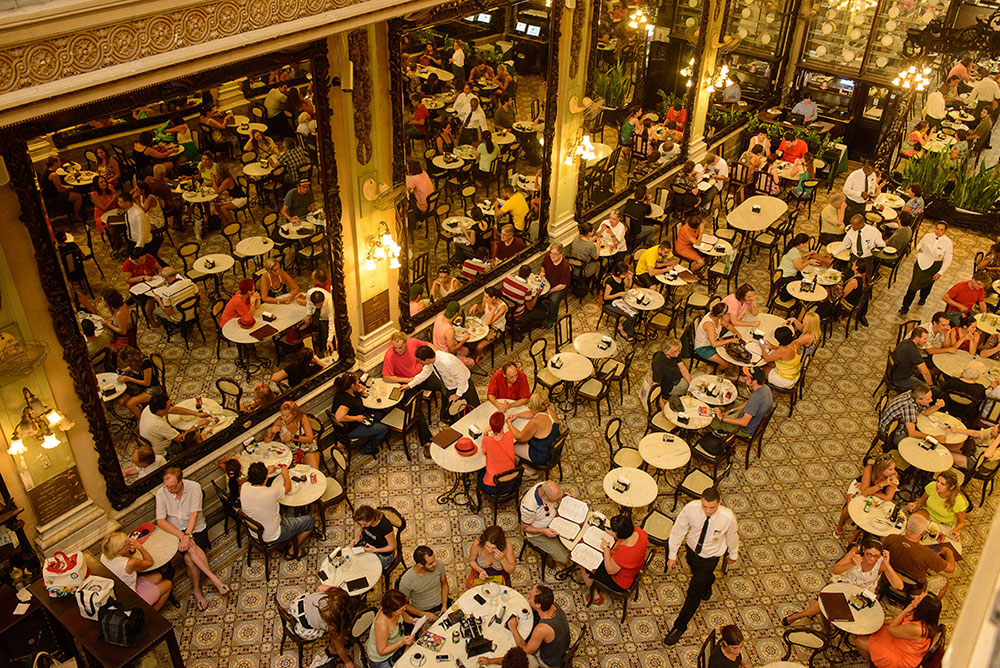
[[202, 216], [636, 107], [473, 93]]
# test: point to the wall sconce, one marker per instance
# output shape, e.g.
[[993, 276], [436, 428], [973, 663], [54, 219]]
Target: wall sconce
[[638, 19], [37, 421], [911, 78], [721, 79], [582, 149], [382, 246], [688, 71]]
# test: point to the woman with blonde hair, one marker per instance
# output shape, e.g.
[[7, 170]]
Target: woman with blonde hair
[[118, 556], [275, 281], [878, 478], [534, 441], [292, 426]]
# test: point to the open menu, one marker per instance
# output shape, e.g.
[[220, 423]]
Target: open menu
[[570, 516], [589, 552], [565, 528]]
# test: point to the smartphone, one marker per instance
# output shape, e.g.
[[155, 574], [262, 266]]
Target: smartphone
[[443, 658], [479, 599], [395, 394]]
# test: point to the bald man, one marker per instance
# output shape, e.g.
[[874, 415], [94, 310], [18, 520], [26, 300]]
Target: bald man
[[538, 509]]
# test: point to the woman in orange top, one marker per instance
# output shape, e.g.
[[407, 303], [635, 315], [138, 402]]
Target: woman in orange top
[[498, 448], [688, 236], [903, 642]]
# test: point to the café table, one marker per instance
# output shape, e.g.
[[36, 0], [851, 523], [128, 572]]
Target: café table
[[378, 395], [590, 345], [247, 128], [888, 214], [642, 489], [424, 72], [817, 295], [987, 322], [655, 211], [935, 460], [466, 152], [254, 247], [336, 572], [724, 391], [110, 380], [219, 420], [693, 411], [876, 520], [824, 275], [80, 179], [496, 597], [525, 183], [720, 248], [753, 347], [675, 278], [433, 104], [940, 425], [664, 451], [745, 219], [890, 200], [573, 368], [526, 126], [538, 283], [296, 230], [765, 322], [456, 226], [146, 286], [162, 547], [441, 162], [652, 300], [286, 316], [784, 169], [503, 138], [84, 633], [475, 328], [866, 621], [601, 151], [962, 116], [70, 165], [223, 262], [952, 364], [303, 493], [843, 255], [96, 319], [256, 171], [271, 453]]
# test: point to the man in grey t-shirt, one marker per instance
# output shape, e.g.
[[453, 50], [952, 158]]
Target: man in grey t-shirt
[[298, 201], [747, 416], [425, 585]]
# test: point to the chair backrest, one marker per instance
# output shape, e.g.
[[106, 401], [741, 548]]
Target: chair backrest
[[254, 528], [248, 156], [903, 331], [510, 481], [227, 502], [418, 269], [161, 368], [564, 331], [362, 622], [188, 251], [395, 519], [228, 387], [537, 353], [762, 427], [653, 401], [567, 661], [705, 653], [612, 436], [287, 621], [934, 656], [270, 221]]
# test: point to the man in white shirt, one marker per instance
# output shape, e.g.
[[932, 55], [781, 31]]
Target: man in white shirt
[[806, 107], [458, 63], [709, 530], [140, 232], [936, 109], [454, 377], [473, 123], [318, 299], [539, 507], [179, 513], [859, 187], [274, 107], [717, 171], [261, 504], [985, 94], [463, 101], [163, 300], [153, 425], [861, 239], [934, 254]]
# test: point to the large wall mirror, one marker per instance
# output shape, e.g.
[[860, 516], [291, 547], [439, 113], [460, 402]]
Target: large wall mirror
[[473, 110], [191, 230], [639, 104]]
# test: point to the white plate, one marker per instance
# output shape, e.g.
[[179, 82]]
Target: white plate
[[765, 38], [746, 12], [887, 40], [820, 51], [893, 11], [832, 14], [827, 28]]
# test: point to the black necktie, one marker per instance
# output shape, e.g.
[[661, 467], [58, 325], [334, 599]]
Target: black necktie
[[701, 538], [861, 250]]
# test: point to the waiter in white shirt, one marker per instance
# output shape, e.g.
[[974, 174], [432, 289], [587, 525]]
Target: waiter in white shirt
[[935, 110], [709, 531], [473, 124], [934, 253], [454, 376], [859, 187], [985, 94], [862, 239]]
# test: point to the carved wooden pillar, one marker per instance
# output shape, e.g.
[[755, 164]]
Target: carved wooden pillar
[[709, 36]]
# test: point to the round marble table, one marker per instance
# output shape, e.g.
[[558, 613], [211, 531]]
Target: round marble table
[[162, 547], [254, 170], [935, 461], [784, 664], [200, 197], [952, 364], [96, 319], [692, 411], [890, 200], [272, 453], [744, 218], [223, 263], [286, 315], [664, 451], [875, 521], [765, 322], [82, 178], [378, 395], [720, 248], [502, 138], [457, 225], [725, 392], [110, 380], [866, 621], [589, 345], [795, 289], [219, 420], [247, 128], [303, 493], [440, 162], [475, 328], [573, 368], [254, 246], [652, 300], [601, 151], [844, 255], [940, 425], [354, 567], [987, 322], [297, 230], [642, 488]]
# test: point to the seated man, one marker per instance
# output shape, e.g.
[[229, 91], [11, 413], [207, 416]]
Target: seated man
[[904, 409], [550, 639], [260, 502], [966, 384], [508, 387], [747, 416], [516, 205], [967, 296], [95, 343], [669, 371], [243, 304], [319, 305], [653, 261], [538, 509], [144, 462], [291, 158], [298, 202], [940, 338], [908, 360], [509, 245], [524, 299], [425, 585], [637, 212], [910, 557], [163, 301], [153, 425]]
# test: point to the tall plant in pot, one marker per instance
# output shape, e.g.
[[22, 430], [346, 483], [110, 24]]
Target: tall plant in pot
[[611, 84]]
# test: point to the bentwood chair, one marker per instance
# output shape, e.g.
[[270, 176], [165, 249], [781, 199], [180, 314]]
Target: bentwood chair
[[229, 389], [292, 630]]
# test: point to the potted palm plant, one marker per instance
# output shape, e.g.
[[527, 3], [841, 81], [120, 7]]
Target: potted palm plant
[[611, 84]]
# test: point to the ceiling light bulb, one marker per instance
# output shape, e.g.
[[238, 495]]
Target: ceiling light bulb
[[50, 441], [379, 252], [16, 447]]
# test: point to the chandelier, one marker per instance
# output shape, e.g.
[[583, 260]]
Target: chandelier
[[638, 19], [382, 246], [583, 149], [914, 79], [37, 421]]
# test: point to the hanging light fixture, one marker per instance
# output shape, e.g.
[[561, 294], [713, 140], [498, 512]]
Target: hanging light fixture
[[583, 150], [381, 246], [638, 19], [37, 421], [913, 78], [688, 71]]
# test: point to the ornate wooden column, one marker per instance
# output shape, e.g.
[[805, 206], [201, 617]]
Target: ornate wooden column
[[709, 37]]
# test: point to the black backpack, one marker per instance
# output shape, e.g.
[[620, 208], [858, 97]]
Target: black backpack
[[120, 625]]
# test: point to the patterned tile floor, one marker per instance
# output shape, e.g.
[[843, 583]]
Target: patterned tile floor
[[787, 504]]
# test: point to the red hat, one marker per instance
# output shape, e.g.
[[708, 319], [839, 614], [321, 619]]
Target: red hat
[[465, 446], [247, 320], [496, 422], [246, 285]]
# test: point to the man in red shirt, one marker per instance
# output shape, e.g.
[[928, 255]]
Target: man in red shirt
[[967, 295], [400, 363], [244, 302], [321, 279], [509, 245], [508, 387], [140, 266], [420, 115], [791, 149]]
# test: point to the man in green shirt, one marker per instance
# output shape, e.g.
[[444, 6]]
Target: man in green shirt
[[503, 117]]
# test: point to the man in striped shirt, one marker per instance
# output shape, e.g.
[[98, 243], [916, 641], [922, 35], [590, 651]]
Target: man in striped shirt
[[519, 293]]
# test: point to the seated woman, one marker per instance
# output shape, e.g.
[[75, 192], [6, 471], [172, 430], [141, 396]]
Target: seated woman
[[808, 173], [264, 147], [488, 152], [862, 566], [292, 426], [849, 296], [444, 284], [624, 556], [121, 319], [914, 206], [126, 557], [443, 334], [328, 609], [708, 336], [784, 361], [494, 310], [145, 155], [491, 558], [913, 143], [616, 286], [276, 285], [444, 140], [141, 381], [753, 159], [967, 334], [534, 441], [797, 255], [349, 410], [498, 448], [741, 303], [878, 478], [377, 534], [150, 204], [104, 197], [961, 148], [386, 639], [809, 331], [303, 363], [689, 236], [903, 642], [943, 503], [230, 195]]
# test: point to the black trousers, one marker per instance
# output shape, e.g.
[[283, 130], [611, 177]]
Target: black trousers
[[702, 578]]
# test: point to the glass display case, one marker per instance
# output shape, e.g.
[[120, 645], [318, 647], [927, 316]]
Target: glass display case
[[756, 75], [687, 16], [877, 102], [893, 20], [758, 24], [834, 94]]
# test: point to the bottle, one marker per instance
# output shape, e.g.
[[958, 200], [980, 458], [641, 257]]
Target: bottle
[[729, 262], [868, 505], [197, 403]]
